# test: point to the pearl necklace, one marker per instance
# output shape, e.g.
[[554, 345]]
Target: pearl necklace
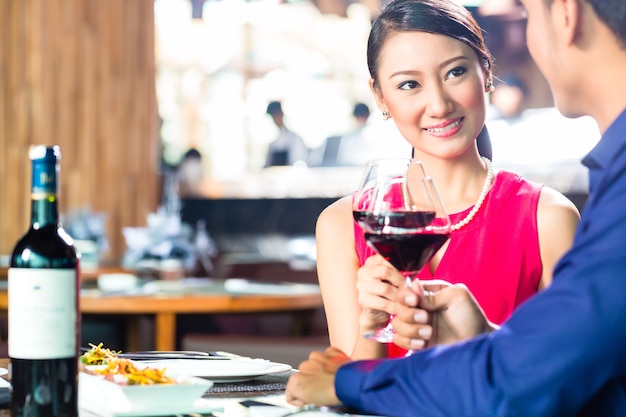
[[481, 198], [477, 206]]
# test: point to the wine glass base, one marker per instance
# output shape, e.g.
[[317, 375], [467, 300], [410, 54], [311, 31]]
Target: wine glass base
[[384, 335]]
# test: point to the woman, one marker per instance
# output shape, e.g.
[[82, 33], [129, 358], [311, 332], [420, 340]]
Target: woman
[[430, 70]]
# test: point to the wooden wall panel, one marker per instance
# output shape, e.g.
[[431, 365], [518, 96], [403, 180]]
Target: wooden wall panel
[[80, 74]]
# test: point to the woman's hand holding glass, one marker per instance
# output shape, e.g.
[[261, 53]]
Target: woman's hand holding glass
[[377, 285]]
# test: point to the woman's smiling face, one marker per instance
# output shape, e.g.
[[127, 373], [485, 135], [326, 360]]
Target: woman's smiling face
[[434, 89]]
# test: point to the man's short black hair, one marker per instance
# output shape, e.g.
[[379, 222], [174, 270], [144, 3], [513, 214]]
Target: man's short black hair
[[274, 107], [361, 110]]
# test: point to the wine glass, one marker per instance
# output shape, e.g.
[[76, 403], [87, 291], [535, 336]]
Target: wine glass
[[402, 217], [377, 170]]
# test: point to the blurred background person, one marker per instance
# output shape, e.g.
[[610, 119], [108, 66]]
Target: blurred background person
[[508, 99], [288, 148], [349, 149], [353, 148], [190, 174]]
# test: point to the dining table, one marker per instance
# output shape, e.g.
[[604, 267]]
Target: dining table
[[263, 396], [163, 301]]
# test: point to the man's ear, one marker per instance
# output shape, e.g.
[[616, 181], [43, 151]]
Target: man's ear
[[567, 15]]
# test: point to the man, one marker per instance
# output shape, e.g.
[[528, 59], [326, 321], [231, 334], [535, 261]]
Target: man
[[349, 149], [507, 100], [288, 148], [563, 352]]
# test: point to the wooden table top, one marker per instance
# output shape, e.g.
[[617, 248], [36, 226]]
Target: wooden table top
[[165, 306], [94, 302]]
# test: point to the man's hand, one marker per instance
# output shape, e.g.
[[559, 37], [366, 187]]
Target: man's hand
[[315, 383], [436, 312]]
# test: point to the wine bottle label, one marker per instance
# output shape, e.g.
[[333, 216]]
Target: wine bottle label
[[42, 313]]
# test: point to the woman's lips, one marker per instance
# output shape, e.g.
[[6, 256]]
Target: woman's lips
[[446, 129]]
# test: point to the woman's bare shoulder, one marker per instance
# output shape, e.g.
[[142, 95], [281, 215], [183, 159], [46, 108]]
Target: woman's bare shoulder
[[336, 213], [557, 218], [555, 205]]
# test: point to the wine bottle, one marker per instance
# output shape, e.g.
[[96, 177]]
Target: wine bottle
[[43, 290]]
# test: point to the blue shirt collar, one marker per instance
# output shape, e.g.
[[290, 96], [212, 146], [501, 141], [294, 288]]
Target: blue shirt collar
[[601, 156], [614, 138]]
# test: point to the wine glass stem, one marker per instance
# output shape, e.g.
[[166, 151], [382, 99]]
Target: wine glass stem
[[409, 277]]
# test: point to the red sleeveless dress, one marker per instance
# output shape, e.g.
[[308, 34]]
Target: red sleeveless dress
[[496, 254]]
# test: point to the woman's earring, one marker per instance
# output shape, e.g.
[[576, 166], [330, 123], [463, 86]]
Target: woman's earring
[[489, 87], [386, 115]]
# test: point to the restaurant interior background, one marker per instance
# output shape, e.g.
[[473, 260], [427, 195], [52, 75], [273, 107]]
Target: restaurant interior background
[[310, 55], [127, 87]]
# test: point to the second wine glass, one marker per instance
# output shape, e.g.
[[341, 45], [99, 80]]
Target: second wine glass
[[402, 217]]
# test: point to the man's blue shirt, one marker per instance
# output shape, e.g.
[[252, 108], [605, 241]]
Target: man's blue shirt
[[562, 353]]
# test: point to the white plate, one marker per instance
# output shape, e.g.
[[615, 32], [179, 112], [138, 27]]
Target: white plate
[[243, 286], [3, 371], [235, 370], [99, 396]]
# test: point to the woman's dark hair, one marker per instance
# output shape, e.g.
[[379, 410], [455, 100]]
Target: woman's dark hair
[[442, 17], [483, 143]]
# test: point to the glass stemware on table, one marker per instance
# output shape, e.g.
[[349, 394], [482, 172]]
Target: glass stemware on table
[[403, 219]]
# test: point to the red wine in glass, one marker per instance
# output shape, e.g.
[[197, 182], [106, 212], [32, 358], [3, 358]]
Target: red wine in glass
[[407, 252]]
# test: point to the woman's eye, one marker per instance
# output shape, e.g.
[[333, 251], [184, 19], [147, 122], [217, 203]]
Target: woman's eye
[[456, 72], [408, 85]]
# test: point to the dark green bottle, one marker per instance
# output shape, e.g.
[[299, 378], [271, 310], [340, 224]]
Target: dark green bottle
[[44, 318]]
